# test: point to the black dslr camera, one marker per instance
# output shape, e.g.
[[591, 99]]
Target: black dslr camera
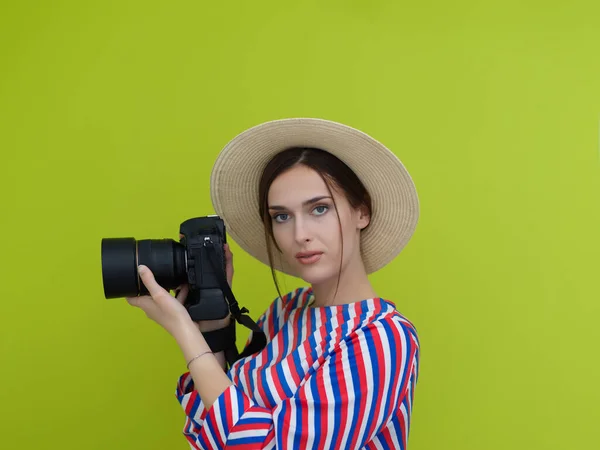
[[198, 259]]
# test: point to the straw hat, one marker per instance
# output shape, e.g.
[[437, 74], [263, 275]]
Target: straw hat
[[236, 174]]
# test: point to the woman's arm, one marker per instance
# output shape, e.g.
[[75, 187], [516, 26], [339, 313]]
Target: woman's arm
[[213, 325], [207, 369]]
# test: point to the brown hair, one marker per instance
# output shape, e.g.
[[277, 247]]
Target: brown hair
[[334, 172]]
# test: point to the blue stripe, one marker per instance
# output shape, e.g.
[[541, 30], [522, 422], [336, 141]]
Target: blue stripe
[[335, 382], [295, 352], [250, 370], [279, 367], [328, 329], [194, 409], [372, 407], [211, 430], [255, 420], [390, 334], [357, 387], [279, 436], [262, 374], [315, 427], [335, 388], [395, 424], [222, 407], [311, 334], [296, 299], [298, 428], [345, 328], [246, 440]]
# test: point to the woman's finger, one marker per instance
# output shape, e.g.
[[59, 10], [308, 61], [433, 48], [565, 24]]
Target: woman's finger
[[133, 301], [139, 302], [147, 277], [182, 294], [228, 254]]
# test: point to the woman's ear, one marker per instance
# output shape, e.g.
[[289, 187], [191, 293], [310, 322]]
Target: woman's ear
[[364, 218]]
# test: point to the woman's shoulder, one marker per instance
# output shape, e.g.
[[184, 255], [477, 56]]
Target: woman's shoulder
[[383, 315], [401, 323]]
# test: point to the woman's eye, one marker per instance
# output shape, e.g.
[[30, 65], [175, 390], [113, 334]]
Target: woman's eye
[[320, 210], [280, 218]]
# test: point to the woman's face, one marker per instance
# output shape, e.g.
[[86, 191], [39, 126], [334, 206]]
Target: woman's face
[[306, 226]]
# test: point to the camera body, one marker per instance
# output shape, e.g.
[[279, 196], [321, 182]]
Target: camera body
[[206, 299], [198, 259]]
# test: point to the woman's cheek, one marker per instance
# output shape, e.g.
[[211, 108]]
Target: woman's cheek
[[281, 239]]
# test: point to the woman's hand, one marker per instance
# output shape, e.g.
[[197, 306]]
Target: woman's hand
[[168, 311], [161, 306]]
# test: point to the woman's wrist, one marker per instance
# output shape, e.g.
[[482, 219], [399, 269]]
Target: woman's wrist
[[190, 340]]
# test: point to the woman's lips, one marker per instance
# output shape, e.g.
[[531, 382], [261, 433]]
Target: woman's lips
[[309, 257]]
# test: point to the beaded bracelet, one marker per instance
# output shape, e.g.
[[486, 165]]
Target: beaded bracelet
[[196, 357]]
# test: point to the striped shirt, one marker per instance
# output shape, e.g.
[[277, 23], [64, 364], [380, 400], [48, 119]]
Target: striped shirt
[[335, 377]]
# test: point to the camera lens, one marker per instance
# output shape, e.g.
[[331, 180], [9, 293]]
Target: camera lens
[[166, 259]]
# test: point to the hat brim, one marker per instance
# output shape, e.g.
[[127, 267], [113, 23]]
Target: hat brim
[[237, 170]]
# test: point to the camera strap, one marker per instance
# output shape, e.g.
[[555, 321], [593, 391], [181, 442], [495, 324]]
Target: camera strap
[[259, 339]]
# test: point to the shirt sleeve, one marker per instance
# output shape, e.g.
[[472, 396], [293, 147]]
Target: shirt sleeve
[[343, 404]]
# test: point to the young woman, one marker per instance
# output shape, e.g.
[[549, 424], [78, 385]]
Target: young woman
[[328, 204]]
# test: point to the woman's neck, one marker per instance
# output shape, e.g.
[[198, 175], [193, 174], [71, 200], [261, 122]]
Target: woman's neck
[[354, 286]]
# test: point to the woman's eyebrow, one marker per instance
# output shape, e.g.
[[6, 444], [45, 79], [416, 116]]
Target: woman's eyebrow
[[304, 203]]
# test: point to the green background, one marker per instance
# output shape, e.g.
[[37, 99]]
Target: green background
[[111, 114]]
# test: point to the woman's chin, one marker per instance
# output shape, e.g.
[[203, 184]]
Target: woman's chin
[[313, 275]]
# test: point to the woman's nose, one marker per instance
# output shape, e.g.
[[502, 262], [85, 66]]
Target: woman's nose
[[302, 233]]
